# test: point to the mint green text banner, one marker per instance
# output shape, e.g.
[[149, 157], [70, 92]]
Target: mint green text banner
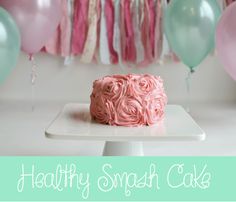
[[117, 178]]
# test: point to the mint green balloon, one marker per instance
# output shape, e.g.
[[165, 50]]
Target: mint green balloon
[[190, 28], [9, 44]]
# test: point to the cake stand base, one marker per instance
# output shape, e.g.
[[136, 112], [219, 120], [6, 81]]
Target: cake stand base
[[123, 149]]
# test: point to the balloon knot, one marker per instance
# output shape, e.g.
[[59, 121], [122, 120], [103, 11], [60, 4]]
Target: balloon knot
[[192, 70], [31, 57]]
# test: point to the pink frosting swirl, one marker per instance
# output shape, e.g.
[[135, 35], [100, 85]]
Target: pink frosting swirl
[[101, 110], [128, 100], [129, 112], [144, 85], [155, 110]]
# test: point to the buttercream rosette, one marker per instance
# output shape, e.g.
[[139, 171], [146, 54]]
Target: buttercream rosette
[[128, 100]]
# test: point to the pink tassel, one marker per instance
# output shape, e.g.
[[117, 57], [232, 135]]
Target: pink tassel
[[59, 44], [96, 56], [152, 14], [158, 32], [145, 29], [130, 43], [122, 30], [127, 33], [109, 14], [91, 38], [80, 26]]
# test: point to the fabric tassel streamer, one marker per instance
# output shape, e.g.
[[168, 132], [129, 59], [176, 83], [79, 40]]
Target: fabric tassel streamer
[[103, 41], [91, 41], [152, 15], [165, 44], [116, 33], [96, 53], [113, 31], [109, 14], [59, 44], [70, 4], [129, 50], [122, 30], [145, 31], [137, 21], [158, 32], [80, 26]]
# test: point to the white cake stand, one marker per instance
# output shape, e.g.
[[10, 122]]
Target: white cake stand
[[74, 122]]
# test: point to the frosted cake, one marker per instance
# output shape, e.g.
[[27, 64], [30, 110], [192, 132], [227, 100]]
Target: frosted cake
[[128, 100]]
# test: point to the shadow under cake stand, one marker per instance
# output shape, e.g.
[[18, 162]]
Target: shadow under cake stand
[[74, 123]]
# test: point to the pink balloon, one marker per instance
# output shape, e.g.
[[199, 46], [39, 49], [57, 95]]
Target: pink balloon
[[37, 21], [226, 40]]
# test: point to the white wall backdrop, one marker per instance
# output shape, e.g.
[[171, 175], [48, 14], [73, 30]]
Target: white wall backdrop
[[56, 82]]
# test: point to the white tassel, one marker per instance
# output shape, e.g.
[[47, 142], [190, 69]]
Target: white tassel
[[103, 43]]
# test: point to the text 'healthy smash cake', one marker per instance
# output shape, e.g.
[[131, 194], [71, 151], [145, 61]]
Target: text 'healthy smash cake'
[[128, 100]]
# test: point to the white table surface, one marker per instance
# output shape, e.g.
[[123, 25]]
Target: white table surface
[[22, 132]]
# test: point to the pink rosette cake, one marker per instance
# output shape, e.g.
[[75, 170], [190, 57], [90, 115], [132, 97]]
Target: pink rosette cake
[[128, 100]]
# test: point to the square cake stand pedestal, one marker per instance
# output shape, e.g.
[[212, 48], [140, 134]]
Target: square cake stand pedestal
[[74, 122]]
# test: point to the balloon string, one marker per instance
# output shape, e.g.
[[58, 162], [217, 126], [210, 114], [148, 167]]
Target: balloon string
[[188, 88], [33, 77]]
